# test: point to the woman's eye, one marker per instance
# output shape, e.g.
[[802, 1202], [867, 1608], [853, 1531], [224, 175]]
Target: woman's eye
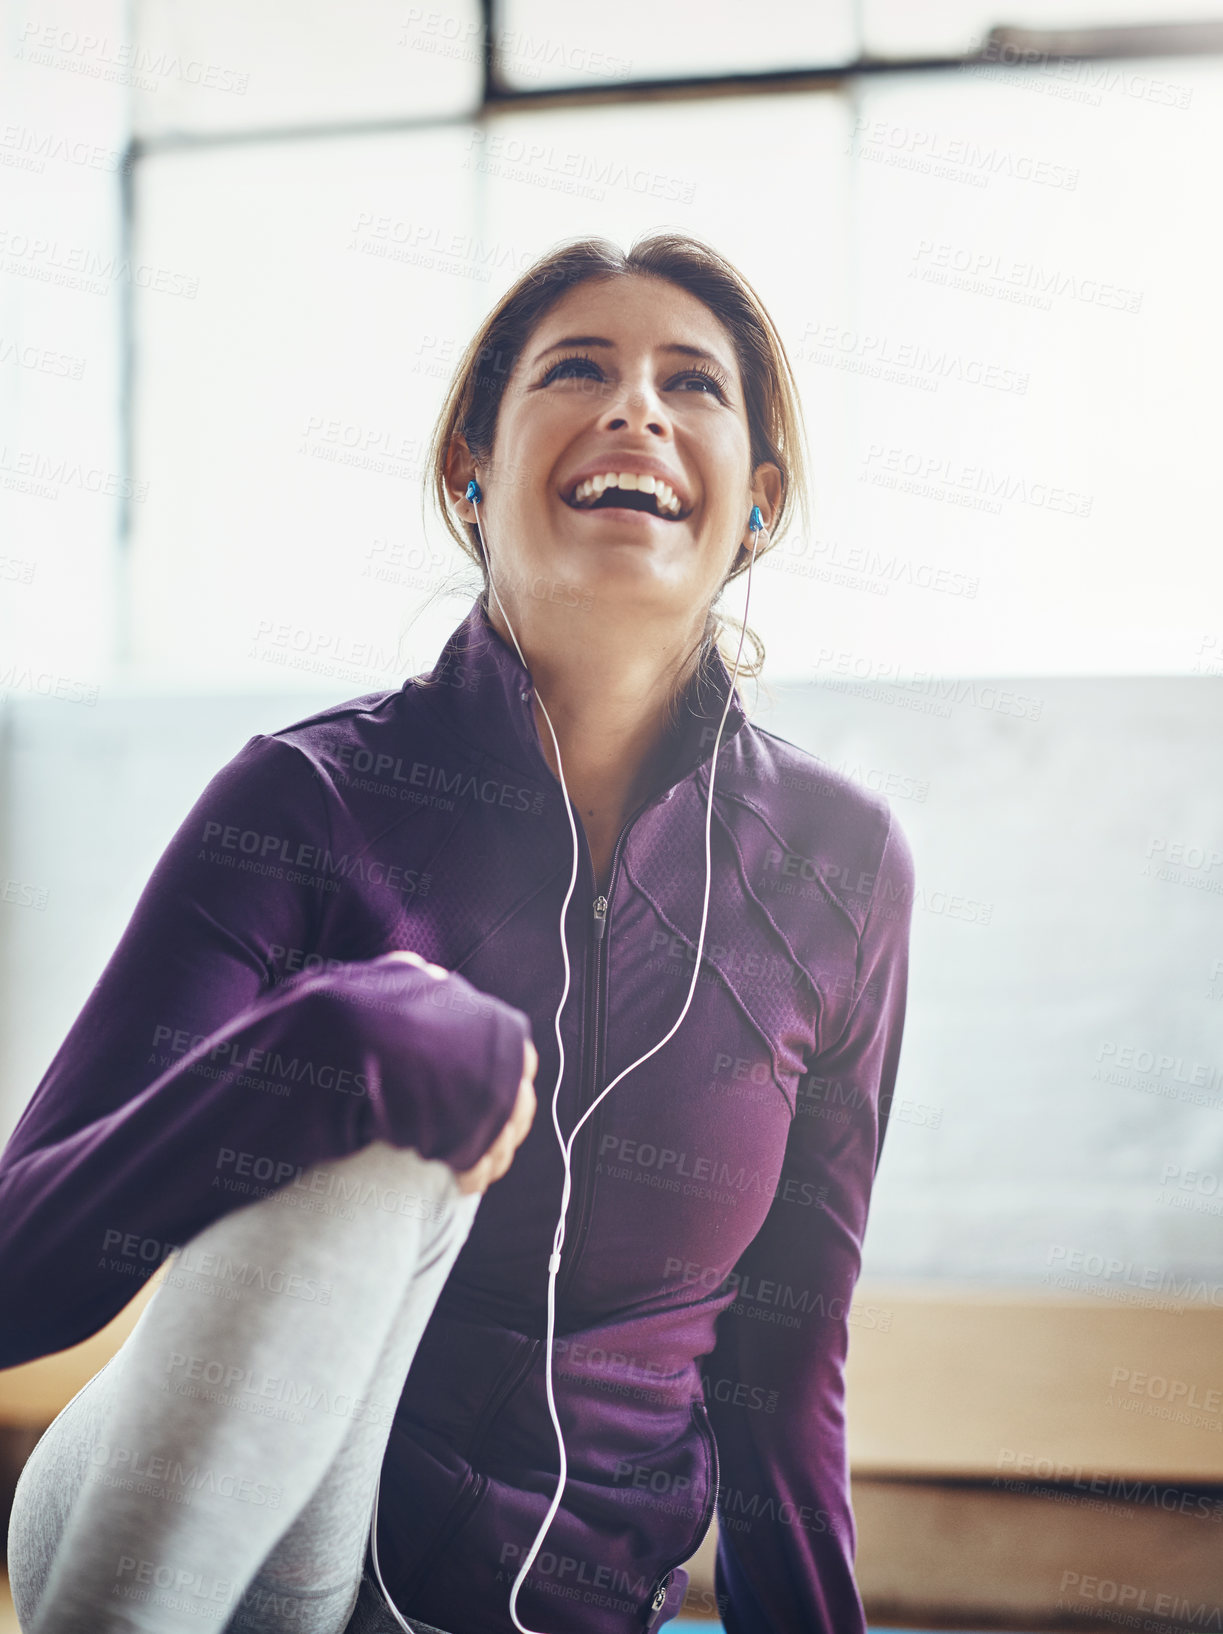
[[706, 382], [572, 366], [580, 367]]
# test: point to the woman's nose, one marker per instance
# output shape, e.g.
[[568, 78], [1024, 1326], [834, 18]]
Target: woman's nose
[[637, 408]]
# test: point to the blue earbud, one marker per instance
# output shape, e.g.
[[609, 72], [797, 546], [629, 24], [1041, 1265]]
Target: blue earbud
[[473, 492]]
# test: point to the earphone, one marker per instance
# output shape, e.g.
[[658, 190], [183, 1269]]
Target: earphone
[[756, 527]]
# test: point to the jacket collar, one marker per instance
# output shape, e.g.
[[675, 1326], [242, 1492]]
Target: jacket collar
[[486, 694]]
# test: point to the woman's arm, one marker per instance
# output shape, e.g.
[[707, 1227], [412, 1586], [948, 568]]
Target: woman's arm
[[786, 1529], [188, 1069]]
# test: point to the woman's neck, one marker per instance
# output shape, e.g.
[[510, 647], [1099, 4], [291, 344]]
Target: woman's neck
[[607, 696]]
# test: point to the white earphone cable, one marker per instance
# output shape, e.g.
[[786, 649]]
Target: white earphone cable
[[756, 528]]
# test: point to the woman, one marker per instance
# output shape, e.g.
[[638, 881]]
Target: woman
[[305, 1062]]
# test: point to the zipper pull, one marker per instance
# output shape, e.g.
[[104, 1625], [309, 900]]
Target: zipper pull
[[600, 911]]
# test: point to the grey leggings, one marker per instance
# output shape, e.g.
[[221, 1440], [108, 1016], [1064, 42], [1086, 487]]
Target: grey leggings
[[218, 1475]]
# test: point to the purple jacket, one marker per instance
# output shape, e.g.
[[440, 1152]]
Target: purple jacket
[[248, 1025]]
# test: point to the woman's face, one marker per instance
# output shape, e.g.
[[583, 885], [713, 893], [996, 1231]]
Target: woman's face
[[626, 377]]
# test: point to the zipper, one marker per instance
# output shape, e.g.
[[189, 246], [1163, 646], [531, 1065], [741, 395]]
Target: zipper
[[596, 1011], [579, 1202], [700, 1416], [715, 1472], [514, 1375]]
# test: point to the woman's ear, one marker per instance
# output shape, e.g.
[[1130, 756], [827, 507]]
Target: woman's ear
[[767, 489], [460, 469]]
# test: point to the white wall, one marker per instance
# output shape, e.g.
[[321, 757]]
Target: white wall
[[1062, 1073]]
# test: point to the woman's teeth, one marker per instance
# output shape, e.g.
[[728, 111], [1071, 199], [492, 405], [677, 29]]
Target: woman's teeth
[[586, 493]]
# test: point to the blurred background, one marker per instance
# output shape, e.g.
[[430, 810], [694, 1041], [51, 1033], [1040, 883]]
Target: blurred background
[[242, 245]]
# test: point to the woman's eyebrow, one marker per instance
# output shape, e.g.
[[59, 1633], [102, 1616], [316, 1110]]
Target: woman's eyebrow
[[601, 340], [572, 340]]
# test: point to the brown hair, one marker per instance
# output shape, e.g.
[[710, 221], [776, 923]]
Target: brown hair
[[771, 398]]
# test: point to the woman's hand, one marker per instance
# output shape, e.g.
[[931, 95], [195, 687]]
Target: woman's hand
[[500, 1154]]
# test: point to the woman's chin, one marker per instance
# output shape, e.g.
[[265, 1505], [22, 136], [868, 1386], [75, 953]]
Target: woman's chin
[[631, 577]]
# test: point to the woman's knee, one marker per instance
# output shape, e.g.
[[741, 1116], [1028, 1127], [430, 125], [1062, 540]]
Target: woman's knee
[[33, 1537], [47, 1490], [331, 1214], [393, 1182]]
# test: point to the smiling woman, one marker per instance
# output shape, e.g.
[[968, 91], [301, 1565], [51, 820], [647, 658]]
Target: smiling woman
[[599, 375], [537, 1352], [678, 321]]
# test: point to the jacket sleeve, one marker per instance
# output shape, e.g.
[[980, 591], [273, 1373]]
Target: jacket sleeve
[[786, 1537], [189, 1062]]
